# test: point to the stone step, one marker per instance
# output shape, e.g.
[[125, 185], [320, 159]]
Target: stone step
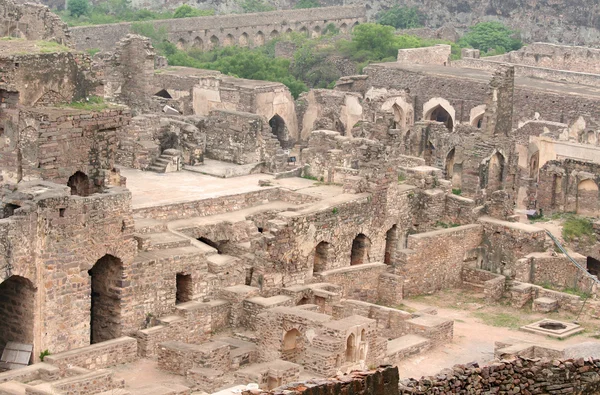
[[156, 169], [405, 346], [171, 152], [149, 225], [545, 305], [160, 161], [161, 241], [219, 263]]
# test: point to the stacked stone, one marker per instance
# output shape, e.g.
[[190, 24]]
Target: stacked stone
[[518, 376]]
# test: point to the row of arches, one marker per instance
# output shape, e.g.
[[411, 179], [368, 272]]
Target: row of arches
[[293, 344], [360, 252], [247, 40]]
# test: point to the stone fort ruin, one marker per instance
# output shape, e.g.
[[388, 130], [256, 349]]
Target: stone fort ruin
[[198, 232]]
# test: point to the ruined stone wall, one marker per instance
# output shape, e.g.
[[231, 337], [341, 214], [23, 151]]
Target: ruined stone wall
[[507, 242], [32, 22], [569, 186], [575, 77], [55, 143], [240, 138], [71, 78], [437, 54], [65, 236], [554, 56], [520, 375], [464, 94], [224, 30], [556, 271], [434, 260]]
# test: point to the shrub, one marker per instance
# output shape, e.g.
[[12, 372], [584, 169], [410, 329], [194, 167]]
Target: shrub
[[255, 6], [456, 191], [186, 11], [491, 38], [402, 17], [44, 354], [307, 4], [78, 8]]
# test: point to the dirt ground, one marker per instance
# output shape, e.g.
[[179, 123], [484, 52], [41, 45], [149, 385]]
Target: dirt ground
[[477, 327]]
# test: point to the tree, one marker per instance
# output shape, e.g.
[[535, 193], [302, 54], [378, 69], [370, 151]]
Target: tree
[[402, 17], [491, 36], [186, 11], [377, 39], [78, 8], [255, 6]]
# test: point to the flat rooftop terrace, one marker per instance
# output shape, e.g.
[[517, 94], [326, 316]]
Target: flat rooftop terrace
[[10, 46], [486, 76]]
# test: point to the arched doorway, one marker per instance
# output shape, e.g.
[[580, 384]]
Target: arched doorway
[[198, 43], [391, 245], [105, 317], [244, 40], [259, 39], [495, 172], [316, 33], [399, 121], [228, 41], [534, 162], [181, 44], [450, 164], [79, 184], [321, 256], [184, 288], [361, 247], [214, 42], [279, 129], [291, 345], [587, 198], [17, 304], [274, 34], [351, 348], [439, 114]]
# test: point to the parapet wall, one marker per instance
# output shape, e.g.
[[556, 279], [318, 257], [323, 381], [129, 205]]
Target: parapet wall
[[223, 30], [521, 375]]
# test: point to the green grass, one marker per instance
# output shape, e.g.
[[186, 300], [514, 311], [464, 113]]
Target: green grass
[[578, 228], [502, 320], [93, 103], [51, 46], [93, 51], [309, 177], [445, 225], [401, 178]]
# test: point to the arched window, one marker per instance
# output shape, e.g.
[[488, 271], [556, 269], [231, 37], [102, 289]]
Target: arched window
[[351, 348], [79, 184], [361, 247]]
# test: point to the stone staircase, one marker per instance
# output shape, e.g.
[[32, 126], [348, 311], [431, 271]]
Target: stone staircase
[[168, 161], [406, 346]]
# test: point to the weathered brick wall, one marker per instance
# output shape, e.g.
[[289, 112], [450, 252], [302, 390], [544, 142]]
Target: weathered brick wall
[[507, 242], [97, 356], [434, 260], [558, 271], [32, 21], [521, 375], [437, 54]]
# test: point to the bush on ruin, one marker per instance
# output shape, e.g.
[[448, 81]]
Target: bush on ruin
[[78, 8], [402, 17], [492, 38]]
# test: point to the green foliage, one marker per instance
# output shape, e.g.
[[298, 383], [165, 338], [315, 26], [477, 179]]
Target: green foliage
[[401, 177], [44, 354], [335, 210], [577, 228], [307, 4], [255, 6], [92, 103], [114, 11], [78, 8], [441, 224], [402, 17], [186, 11], [456, 192], [492, 38], [93, 51], [331, 29], [309, 177]]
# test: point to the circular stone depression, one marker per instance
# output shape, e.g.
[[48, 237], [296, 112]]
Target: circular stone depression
[[553, 326]]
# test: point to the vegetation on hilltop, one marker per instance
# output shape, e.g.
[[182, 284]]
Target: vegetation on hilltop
[[402, 17], [83, 12]]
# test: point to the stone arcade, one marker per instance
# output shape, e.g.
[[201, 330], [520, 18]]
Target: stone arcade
[[218, 232]]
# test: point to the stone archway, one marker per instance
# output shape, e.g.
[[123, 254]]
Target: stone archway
[[391, 245], [244, 40], [184, 288], [274, 34], [361, 248], [17, 304], [228, 41], [321, 257], [291, 345], [476, 116], [534, 164], [351, 348], [259, 39], [79, 184], [181, 44], [495, 174], [450, 158], [105, 313], [214, 42], [439, 110], [198, 43], [279, 129]]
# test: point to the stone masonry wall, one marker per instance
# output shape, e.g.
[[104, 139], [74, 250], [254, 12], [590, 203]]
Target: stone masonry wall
[[517, 376], [437, 54], [226, 29], [32, 22], [433, 260]]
